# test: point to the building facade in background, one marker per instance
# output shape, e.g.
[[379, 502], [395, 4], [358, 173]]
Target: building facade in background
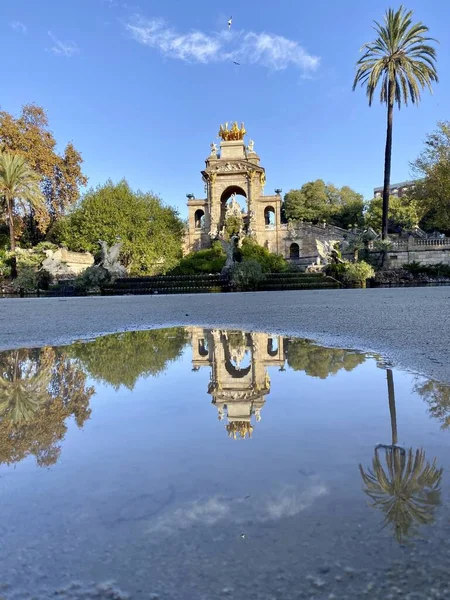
[[395, 189]]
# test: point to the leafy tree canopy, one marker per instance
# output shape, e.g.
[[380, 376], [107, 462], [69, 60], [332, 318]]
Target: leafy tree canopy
[[317, 361], [151, 233], [403, 213], [432, 170], [318, 201], [121, 359], [61, 174], [39, 389]]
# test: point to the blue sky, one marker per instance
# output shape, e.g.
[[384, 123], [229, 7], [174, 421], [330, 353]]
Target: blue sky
[[141, 88]]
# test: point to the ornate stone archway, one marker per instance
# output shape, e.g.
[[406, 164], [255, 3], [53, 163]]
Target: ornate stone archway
[[234, 167]]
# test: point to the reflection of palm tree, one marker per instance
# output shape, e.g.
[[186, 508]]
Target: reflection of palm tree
[[408, 489], [23, 387]]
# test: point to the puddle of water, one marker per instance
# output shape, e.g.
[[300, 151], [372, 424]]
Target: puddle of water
[[189, 463]]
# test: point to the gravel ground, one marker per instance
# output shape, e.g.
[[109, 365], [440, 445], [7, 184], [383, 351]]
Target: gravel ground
[[410, 326]]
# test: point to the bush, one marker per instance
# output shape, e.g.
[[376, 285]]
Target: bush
[[211, 260], [27, 279], [358, 272], [247, 275], [336, 270], [92, 279], [437, 270], [270, 262]]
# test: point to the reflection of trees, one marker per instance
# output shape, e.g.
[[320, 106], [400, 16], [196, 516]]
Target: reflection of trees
[[39, 390], [407, 488], [437, 395], [120, 359], [317, 361]]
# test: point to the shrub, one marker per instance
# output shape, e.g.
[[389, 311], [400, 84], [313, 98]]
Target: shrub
[[27, 279], [92, 279], [436, 270], [358, 272], [270, 262], [336, 270], [247, 275], [211, 260]]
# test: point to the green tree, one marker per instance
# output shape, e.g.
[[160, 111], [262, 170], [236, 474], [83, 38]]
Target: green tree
[[437, 396], [317, 201], [150, 232], [403, 61], [19, 188], [121, 359], [39, 390], [404, 213], [318, 361], [432, 170]]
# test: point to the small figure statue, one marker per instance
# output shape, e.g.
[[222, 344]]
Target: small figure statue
[[213, 149], [250, 146]]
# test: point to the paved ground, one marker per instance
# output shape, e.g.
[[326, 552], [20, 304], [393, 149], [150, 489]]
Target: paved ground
[[410, 326]]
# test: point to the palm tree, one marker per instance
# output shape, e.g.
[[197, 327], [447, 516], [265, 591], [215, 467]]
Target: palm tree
[[24, 385], [402, 59], [19, 189], [408, 490]]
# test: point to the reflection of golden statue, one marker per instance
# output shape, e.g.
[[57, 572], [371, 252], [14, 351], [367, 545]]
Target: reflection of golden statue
[[407, 490], [243, 428], [233, 134]]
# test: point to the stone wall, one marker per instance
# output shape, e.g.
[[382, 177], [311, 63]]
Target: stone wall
[[63, 264], [427, 252]]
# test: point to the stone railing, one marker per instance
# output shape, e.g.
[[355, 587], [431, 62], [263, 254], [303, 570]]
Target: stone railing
[[319, 229], [418, 244]]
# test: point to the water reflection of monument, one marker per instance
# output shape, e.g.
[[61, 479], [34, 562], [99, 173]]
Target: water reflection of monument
[[239, 377]]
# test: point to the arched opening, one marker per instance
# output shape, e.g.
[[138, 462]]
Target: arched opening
[[199, 218], [233, 194], [272, 346], [294, 251], [203, 347], [269, 215]]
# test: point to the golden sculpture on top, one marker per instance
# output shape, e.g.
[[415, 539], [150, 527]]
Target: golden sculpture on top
[[232, 134]]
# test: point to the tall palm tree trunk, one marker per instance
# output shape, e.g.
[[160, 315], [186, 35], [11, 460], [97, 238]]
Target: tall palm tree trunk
[[392, 410], [387, 162], [12, 237]]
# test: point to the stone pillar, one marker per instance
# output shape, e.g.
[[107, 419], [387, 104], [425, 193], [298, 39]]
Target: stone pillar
[[214, 206]]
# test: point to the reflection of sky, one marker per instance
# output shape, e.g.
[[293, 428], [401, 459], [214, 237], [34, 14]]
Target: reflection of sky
[[157, 460]]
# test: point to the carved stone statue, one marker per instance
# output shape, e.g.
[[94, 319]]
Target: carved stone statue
[[110, 259], [250, 146], [213, 149]]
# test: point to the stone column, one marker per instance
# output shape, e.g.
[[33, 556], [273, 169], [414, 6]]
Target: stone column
[[214, 206], [251, 201]]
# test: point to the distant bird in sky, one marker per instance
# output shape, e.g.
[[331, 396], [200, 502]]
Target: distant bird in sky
[[236, 63], [230, 21]]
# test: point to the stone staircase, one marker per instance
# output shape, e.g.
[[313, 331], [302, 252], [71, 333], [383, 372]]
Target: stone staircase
[[191, 284]]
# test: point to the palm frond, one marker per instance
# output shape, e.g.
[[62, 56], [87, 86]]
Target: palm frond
[[401, 55], [406, 489]]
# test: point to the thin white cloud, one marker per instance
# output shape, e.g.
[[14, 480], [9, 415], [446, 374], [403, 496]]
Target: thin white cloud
[[287, 502], [274, 52], [19, 26], [61, 48]]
